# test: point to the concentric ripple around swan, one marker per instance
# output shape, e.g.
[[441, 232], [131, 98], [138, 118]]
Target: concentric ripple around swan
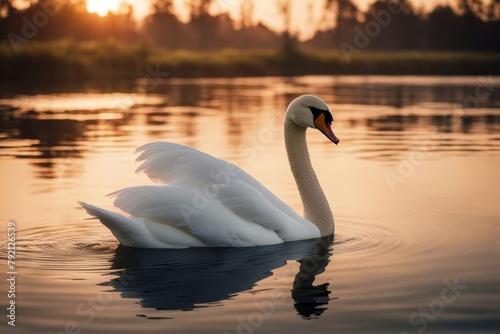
[[53, 248]]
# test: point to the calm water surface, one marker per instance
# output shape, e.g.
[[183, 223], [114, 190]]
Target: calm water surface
[[413, 185]]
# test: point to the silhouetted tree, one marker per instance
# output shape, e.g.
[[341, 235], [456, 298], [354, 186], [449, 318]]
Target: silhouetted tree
[[68, 20], [163, 28], [441, 26], [473, 25], [291, 57], [344, 15], [6, 8], [471, 7], [346, 18], [204, 30], [493, 11], [402, 29], [6, 13], [206, 27]]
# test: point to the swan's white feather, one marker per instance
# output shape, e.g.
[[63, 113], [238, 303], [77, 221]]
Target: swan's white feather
[[176, 164], [250, 204], [204, 218], [203, 201], [130, 232]]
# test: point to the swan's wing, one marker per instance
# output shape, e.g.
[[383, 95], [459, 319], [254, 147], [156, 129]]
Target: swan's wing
[[204, 218], [207, 202], [185, 166], [250, 204], [177, 164]]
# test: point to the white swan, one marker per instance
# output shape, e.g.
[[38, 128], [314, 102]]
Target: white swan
[[208, 202]]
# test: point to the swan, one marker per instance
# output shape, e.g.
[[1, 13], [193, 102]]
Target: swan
[[207, 202]]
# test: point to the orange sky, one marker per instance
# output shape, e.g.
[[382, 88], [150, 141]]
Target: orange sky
[[306, 14]]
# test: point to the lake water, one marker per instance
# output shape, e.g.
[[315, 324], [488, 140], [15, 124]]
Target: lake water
[[413, 185]]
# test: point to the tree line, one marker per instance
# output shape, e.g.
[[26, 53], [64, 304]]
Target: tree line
[[398, 25], [386, 25]]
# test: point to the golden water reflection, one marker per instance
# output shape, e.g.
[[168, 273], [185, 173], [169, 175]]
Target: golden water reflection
[[379, 120], [394, 245]]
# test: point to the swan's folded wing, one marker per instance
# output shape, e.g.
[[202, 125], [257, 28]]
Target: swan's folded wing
[[251, 205], [202, 217], [185, 166], [176, 164]]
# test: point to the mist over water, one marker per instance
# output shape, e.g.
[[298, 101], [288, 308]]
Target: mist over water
[[413, 186]]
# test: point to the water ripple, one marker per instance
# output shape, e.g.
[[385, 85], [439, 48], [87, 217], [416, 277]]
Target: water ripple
[[79, 247], [357, 238], [53, 248]]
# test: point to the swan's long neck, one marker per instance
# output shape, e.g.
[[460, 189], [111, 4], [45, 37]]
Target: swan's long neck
[[316, 207]]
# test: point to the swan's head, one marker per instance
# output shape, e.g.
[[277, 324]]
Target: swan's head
[[310, 111]]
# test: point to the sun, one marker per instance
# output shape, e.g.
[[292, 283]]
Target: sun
[[102, 7]]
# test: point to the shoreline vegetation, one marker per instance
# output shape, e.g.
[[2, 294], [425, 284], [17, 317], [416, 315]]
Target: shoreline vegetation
[[69, 60], [62, 41]]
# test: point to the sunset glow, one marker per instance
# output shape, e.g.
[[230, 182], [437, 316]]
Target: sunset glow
[[306, 16], [102, 7]]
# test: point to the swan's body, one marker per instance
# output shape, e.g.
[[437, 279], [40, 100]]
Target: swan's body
[[208, 202]]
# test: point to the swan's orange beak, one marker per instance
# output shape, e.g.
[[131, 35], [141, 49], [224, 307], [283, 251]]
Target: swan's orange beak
[[325, 128]]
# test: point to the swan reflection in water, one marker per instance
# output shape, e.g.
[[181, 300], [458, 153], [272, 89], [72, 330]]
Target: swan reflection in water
[[201, 277]]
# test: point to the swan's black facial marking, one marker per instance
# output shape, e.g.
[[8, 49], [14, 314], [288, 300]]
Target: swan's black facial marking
[[322, 121], [317, 112]]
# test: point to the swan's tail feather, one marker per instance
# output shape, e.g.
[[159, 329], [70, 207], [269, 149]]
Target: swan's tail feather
[[128, 231]]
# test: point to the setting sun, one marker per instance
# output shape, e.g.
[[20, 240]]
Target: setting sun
[[102, 7]]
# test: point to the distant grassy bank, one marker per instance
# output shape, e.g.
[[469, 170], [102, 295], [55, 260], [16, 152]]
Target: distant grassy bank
[[66, 60]]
